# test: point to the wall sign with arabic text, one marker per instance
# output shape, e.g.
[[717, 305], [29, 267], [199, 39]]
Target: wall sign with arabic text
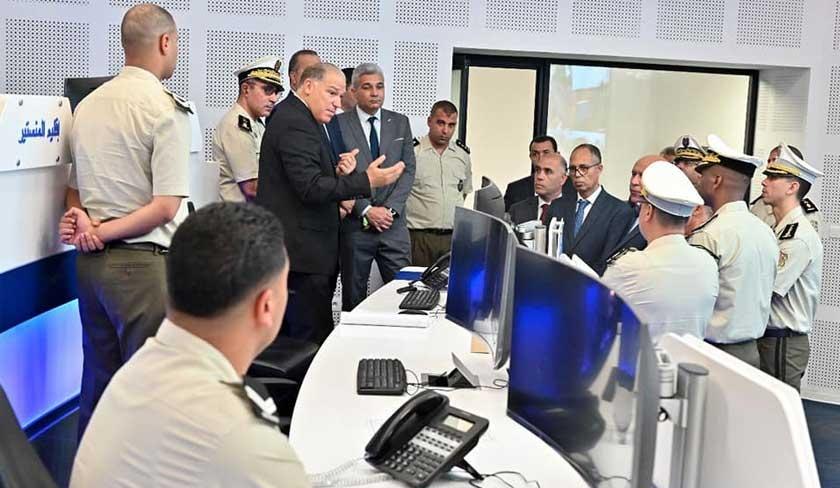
[[34, 131]]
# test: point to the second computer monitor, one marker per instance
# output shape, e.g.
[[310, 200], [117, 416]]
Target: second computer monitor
[[479, 296], [489, 199]]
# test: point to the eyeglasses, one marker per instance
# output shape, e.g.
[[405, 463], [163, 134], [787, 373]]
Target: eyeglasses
[[582, 169]]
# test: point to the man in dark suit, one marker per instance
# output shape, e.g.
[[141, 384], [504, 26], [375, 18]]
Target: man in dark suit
[[634, 238], [523, 188], [549, 177], [375, 229], [302, 183], [595, 224]]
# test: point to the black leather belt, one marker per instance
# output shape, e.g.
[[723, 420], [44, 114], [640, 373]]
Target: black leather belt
[[718, 344], [782, 333], [440, 232], [138, 246]]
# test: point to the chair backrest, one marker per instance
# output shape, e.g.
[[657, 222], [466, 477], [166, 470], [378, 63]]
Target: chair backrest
[[20, 465]]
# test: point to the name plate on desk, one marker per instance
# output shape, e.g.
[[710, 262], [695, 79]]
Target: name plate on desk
[[33, 131]]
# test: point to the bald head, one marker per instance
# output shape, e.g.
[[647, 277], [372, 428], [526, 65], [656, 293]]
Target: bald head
[[143, 25], [636, 176]]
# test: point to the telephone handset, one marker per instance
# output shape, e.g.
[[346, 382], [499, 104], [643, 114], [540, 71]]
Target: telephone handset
[[424, 439], [436, 276]]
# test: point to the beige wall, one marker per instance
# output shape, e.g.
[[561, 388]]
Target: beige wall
[[500, 123]]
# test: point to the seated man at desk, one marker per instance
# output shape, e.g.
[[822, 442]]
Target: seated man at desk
[[181, 412]]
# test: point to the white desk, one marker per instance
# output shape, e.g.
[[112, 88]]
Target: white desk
[[332, 424]]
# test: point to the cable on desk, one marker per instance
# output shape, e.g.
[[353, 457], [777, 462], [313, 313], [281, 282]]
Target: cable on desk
[[498, 476]]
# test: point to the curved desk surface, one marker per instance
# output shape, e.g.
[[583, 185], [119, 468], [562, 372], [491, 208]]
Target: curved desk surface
[[332, 424]]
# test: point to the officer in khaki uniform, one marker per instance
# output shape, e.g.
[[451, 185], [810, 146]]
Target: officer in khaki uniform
[[765, 212], [442, 181], [671, 285], [744, 248], [130, 143], [784, 349], [236, 143]]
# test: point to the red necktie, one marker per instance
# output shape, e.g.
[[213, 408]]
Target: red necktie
[[543, 212]]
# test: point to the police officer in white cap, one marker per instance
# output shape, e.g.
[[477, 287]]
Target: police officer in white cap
[[765, 212], [784, 349], [671, 285], [744, 247], [236, 143]]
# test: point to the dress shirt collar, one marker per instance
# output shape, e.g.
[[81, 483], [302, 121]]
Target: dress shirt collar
[[789, 218], [594, 196], [541, 202], [731, 207], [171, 336], [364, 116]]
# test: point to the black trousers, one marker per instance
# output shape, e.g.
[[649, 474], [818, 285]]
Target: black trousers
[[309, 311]]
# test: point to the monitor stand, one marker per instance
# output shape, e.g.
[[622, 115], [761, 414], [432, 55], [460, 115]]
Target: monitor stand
[[460, 377]]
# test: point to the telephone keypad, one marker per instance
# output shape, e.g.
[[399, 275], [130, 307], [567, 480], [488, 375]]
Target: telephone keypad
[[424, 453]]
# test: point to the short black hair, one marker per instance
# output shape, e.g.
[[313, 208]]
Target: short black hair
[[348, 75], [544, 138], [804, 188], [593, 150], [446, 106], [221, 253], [293, 62], [668, 220]]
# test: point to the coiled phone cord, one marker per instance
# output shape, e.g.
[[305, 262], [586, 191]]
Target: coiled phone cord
[[332, 478]]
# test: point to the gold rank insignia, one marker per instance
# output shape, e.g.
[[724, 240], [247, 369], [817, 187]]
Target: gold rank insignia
[[782, 259]]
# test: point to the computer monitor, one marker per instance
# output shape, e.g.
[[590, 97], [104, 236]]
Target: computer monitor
[[479, 295], [488, 199], [583, 374], [78, 88]]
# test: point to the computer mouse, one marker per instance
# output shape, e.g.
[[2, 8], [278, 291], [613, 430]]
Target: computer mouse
[[412, 312]]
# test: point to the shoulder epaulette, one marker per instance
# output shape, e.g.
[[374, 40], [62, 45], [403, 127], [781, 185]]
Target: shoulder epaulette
[[755, 201], [704, 224], [261, 402], [245, 123], [179, 102], [709, 251], [460, 143], [789, 231], [808, 206], [615, 257], [416, 142]]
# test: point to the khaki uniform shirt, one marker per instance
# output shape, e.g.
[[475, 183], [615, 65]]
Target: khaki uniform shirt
[[236, 147], [765, 213], [441, 183], [747, 254], [131, 142], [799, 274], [671, 285], [173, 416]]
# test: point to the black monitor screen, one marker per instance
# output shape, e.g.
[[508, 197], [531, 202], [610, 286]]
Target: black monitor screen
[[489, 199], [77, 89], [478, 297], [582, 372]]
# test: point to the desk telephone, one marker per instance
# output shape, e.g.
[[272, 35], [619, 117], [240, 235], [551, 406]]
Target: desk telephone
[[436, 276], [424, 439]]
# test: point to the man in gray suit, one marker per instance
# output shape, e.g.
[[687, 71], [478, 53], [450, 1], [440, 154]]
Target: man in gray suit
[[376, 227]]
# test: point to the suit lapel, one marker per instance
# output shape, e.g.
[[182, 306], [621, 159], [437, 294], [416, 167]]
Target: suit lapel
[[386, 135], [359, 135]]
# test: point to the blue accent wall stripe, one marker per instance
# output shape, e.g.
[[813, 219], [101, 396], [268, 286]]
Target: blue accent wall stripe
[[35, 288]]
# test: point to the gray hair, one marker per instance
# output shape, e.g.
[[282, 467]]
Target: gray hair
[[365, 69], [317, 71], [143, 24]]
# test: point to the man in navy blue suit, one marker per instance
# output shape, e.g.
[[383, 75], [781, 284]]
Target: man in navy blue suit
[[597, 222]]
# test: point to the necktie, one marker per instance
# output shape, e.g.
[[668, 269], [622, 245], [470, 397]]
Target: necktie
[[374, 138], [579, 214], [543, 212]]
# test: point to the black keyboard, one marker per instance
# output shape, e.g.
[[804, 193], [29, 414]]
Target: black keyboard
[[418, 299], [380, 377], [437, 281]]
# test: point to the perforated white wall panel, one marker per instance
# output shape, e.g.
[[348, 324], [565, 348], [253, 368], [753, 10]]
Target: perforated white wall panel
[[415, 85], [836, 40], [522, 15], [344, 52], [357, 10], [167, 4], [228, 51], [41, 53], [825, 355], [690, 20], [180, 83], [607, 18], [270, 8], [209, 132], [833, 102], [433, 13], [771, 23]]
